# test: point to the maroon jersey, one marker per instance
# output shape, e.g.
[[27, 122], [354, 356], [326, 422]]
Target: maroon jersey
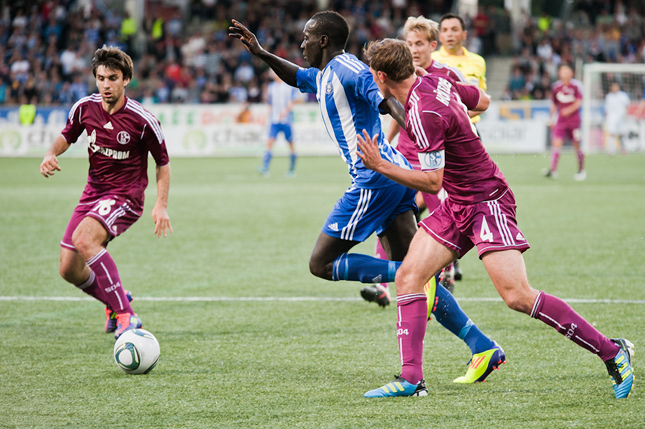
[[405, 145], [118, 147], [436, 116], [565, 95]]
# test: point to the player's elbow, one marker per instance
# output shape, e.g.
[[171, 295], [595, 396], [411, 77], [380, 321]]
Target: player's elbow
[[432, 182], [484, 101], [432, 188]]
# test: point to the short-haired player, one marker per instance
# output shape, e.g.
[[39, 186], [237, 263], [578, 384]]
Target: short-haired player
[[349, 102], [479, 212], [121, 134]]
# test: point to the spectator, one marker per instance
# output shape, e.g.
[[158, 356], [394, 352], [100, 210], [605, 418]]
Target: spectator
[[128, 32], [238, 93], [66, 95], [244, 73]]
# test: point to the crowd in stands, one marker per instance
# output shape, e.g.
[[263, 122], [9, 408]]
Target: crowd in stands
[[595, 31], [46, 46]]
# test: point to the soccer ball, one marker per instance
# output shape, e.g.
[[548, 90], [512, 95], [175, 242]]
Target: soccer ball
[[136, 351]]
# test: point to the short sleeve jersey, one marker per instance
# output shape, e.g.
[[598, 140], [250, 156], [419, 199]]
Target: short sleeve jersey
[[405, 144], [280, 96], [437, 120], [118, 147], [565, 95], [349, 103]]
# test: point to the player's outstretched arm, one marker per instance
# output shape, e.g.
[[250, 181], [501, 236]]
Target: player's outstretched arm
[[424, 181], [286, 70], [160, 211], [50, 161]]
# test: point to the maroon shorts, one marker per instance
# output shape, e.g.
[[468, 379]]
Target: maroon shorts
[[489, 225], [114, 212], [569, 132]]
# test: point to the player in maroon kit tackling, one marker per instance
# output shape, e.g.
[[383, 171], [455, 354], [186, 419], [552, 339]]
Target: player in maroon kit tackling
[[479, 212], [566, 99], [121, 134]]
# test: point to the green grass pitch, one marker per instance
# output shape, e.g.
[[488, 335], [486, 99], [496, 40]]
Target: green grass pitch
[[254, 363]]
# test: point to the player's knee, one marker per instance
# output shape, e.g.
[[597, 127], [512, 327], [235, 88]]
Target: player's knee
[[518, 301], [404, 281], [68, 272], [65, 272], [83, 244], [319, 269]]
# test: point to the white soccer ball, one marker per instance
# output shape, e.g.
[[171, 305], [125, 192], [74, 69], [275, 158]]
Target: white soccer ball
[[136, 351]]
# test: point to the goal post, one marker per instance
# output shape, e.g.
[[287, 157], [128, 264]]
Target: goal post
[[596, 80]]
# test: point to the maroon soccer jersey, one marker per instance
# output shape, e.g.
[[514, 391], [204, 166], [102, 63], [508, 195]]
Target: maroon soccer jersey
[[565, 95], [118, 147], [437, 120], [405, 144]]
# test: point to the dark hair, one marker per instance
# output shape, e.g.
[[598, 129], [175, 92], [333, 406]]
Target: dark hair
[[453, 16], [333, 25], [392, 57], [113, 58]]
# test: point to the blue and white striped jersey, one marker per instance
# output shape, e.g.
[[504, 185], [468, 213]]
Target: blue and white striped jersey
[[349, 103], [279, 96]]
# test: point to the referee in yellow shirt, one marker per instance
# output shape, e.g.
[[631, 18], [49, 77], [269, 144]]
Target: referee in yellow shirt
[[452, 35]]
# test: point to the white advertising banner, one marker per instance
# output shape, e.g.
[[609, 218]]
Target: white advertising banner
[[523, 136], [214, 130]]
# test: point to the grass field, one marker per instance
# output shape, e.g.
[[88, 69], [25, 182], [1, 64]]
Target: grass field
[[233, 362]]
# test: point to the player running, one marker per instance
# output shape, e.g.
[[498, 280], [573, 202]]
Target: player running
[[566, 99], [281, 98], [349, 102], [479, 211], [420, 34], [120, 134]]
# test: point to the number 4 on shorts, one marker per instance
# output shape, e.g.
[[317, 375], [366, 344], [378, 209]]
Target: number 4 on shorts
[[485, 233]]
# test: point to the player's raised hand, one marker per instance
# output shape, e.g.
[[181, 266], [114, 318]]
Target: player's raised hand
[[239, 31], [162, 220], [369, 151], [49, 165]]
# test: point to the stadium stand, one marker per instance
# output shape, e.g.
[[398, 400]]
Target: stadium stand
[[594, 31], [185, 55]]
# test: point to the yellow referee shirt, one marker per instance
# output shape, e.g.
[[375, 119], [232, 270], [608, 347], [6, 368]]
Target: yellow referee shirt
[[472, 66]]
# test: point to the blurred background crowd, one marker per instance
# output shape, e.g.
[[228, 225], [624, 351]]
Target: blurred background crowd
[[184, 54]]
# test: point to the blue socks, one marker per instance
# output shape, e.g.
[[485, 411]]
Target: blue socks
[[363, 268], [266, 160], [292, 166], [453, 318]]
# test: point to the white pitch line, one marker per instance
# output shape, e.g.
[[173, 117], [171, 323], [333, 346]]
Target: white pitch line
[[292, 299]]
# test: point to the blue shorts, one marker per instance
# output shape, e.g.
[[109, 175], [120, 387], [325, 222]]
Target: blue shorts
[[277, 128], [361, 212]]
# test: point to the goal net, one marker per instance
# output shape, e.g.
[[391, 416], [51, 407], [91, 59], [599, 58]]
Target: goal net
[[597, 79]]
